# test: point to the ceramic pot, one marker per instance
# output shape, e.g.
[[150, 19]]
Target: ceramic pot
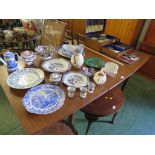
[[28, 57], [9, 61], [100, 77], [77, 59]]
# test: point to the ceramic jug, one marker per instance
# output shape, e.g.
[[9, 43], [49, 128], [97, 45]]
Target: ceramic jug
[[9, 60], [100, 77], [77, 58]]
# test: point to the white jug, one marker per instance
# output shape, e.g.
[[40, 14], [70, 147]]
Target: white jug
[[77, 59]]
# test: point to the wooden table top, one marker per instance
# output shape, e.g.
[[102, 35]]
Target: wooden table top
[[33, 123]]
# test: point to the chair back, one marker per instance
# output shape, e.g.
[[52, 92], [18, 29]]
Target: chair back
[[53, 33]]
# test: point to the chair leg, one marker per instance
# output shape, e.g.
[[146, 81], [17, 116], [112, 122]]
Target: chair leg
[[88, 126], [90, 120], [113, 119]]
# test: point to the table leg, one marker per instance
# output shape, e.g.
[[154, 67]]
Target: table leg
[[71, 118], [125, 83]]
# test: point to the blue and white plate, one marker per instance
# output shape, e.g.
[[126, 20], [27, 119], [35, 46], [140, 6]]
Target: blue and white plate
[[25, 78], [65, 53], [75, 79], [44, 99], [58, 65]]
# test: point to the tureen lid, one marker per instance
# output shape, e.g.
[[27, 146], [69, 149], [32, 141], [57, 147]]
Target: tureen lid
[[27, 54]]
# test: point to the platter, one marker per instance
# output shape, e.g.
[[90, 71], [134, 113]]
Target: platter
[[25, 78], [75, 79], [44, 99], [94, 62], [58, 65]]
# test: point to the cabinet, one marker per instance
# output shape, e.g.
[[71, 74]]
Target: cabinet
[[148, 46], [127, 30]]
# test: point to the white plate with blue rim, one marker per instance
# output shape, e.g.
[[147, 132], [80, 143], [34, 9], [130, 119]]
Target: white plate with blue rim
[[75, 79], [58, 65], [25, 78], [44, 99]]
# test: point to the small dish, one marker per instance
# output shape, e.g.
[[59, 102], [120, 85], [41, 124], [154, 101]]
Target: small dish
[[88, 71], [55, 78], [47, 56]]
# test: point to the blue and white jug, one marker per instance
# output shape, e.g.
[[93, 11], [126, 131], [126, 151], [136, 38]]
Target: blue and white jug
[[10, 61]]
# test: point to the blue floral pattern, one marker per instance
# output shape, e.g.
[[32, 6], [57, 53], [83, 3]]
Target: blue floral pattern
[[44, 99]]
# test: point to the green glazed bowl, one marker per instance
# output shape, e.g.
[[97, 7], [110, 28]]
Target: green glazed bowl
[[94, 62]]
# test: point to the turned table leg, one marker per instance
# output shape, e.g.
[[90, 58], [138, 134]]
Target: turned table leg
[[71, 118]]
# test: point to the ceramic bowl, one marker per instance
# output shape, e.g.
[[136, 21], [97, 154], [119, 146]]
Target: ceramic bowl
[[55, 78], [47, 56]]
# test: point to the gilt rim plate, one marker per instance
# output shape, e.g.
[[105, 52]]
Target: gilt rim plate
[[75, 79], [44, 99], [25, 78], [58, 65]]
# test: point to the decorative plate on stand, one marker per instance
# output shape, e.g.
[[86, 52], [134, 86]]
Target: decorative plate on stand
[[44, 99]]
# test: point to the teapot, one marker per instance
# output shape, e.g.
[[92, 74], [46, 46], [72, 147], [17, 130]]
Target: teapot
[[77, 58], [28, 57], [9, 61], [100, 77]]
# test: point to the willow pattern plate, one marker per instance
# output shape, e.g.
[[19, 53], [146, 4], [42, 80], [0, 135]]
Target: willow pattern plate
[[75, 79], [65, 53], [44, 99], [25, 78], [58, 65]]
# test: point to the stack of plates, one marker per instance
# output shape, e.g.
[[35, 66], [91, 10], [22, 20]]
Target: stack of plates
[[68, 50], [110, 68]]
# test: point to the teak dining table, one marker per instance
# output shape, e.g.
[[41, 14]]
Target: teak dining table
[[32, 123]]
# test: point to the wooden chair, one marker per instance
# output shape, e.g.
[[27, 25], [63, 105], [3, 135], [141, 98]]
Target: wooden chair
[[69, 35], [53, 33], [107, 104], [58, 128]]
